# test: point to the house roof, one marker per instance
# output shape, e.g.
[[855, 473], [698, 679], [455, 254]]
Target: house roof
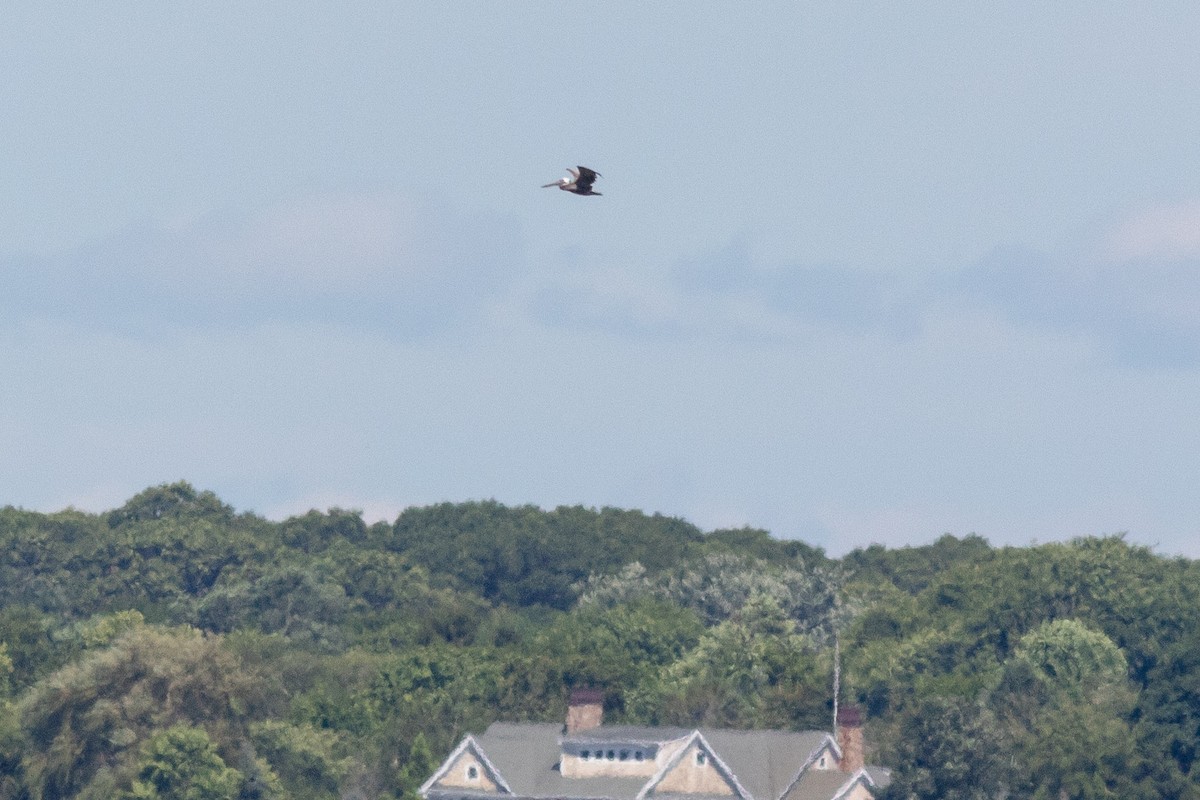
[[632, 734], [817, 784], [526, 756], [765, 762]]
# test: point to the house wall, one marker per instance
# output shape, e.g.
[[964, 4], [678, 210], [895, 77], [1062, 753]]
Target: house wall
[[456, 776], [572, 766], [667, 750], [859, 792], [688, 777], [827, 756]]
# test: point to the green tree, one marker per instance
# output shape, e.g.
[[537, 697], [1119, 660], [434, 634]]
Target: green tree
[[418, 766], [1065, 699], [1073, 658], [94, 713], [181, 763], [946, 749], [525, 556], [1167, 717], [1077, 750], [290, 599], [315, 531], [12, 750], [615, 649], [719, 584], [308, 760], [752, 670], [6, 670], [912, 569], [179, 500]]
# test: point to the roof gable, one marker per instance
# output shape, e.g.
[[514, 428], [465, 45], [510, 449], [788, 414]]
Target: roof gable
[[859, 779], [827, 745], [454, 770], [767, 762], [818, 784], [695, 769]]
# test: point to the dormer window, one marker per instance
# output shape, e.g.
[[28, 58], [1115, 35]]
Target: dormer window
[[624, 755], [585, 755], [638, 755], [611, 755], [701, 758], [472, 773]]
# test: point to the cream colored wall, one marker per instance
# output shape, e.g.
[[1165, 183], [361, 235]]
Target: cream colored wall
[[456, 776], [831, 761], [573, 766], [669, 749], [859, 792], [688, 777]]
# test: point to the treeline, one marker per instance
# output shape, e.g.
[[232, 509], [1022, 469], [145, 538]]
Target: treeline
[[176, 648]]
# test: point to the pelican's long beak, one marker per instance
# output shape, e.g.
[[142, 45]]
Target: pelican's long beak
[[548, 185]]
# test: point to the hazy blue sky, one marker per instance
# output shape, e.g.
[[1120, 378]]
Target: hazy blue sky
[[862, 272]]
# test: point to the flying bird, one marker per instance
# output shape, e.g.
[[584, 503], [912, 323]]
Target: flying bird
[[580, 182]]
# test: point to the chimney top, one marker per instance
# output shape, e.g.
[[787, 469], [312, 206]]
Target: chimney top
[[586, 697], [849, 717]]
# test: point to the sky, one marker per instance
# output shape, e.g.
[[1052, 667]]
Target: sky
[[861, 272]]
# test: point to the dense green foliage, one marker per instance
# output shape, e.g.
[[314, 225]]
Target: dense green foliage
[[176, 648]]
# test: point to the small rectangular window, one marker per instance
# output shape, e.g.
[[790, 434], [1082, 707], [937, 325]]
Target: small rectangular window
[[700, 757], [585, 755], [624, 755], [638, 755], [612, 755]]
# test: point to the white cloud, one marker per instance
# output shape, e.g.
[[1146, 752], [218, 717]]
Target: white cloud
[[725, 294], [1162, 232], [367, 260], [1139, 312]]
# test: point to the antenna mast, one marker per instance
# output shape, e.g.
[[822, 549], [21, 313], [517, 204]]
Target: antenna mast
[[837, 677]]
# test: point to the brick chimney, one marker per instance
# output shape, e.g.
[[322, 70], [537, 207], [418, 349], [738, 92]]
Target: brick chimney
[[585, 710], [850, 738]]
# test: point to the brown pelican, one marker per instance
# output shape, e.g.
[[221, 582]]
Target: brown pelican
[[580, 182]]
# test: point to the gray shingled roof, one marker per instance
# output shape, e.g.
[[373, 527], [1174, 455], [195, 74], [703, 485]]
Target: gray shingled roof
[[526, 754], [765, 762], [627, 733]]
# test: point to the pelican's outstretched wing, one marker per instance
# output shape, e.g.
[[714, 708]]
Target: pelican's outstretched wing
[[585, 177]]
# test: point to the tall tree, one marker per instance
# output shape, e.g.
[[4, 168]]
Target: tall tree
[[95, 712], [181, 763], [946, 749]]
